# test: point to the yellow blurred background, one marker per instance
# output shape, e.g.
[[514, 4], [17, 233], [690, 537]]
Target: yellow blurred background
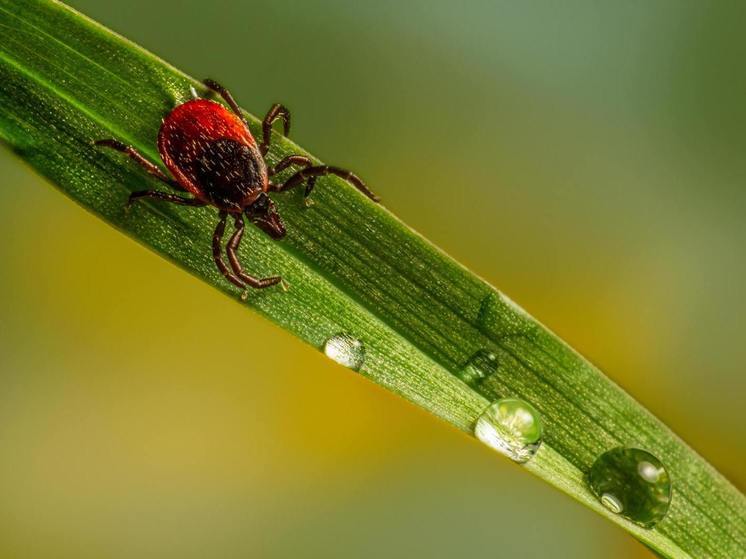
[[585, 157]]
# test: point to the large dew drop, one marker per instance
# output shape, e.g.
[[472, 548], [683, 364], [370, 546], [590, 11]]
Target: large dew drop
[[346, 350], [632, 483], [512, 427]]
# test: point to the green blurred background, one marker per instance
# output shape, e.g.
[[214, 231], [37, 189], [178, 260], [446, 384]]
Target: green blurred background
[[585, 157]]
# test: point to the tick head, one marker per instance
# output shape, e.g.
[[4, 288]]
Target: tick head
[[263, 213]]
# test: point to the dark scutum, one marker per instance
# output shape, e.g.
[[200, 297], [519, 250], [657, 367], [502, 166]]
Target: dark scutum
[[227, 171]]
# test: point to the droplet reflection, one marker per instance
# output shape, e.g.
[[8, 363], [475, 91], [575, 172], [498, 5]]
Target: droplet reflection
[[512, 427], [346, 350]]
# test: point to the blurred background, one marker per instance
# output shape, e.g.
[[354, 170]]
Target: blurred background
[[597, 151]]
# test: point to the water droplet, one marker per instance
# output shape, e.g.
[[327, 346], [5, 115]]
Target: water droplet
[[515, 307], [346, 350], [633, 483], [501, 317], [481, 365], [512, 427]]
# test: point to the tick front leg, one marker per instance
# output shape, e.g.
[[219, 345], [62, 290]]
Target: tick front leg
[[138, 158], [165, 196], [310, 173], [233, 244], [289, 161], [277, 112], [217, 252]]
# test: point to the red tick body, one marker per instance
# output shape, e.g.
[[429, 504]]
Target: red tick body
[[212, 155]]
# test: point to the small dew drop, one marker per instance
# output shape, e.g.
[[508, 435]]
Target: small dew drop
[[519, 310], [512, 427], [633, 483], [501, 317], [480, 366], [346, 350]]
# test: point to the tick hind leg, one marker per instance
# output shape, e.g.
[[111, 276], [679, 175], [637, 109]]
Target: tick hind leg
[[275, 113], [140, 159], [309, 174], [232, 247], [212, 85]]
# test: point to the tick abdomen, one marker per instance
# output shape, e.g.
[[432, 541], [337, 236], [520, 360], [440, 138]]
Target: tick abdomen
[[212, 154], [228, 172]]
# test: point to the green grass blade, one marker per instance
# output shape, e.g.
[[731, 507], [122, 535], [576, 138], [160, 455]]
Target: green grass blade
[[353, 267]]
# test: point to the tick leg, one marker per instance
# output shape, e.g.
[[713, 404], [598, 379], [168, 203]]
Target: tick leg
[[227, 97], [277, 112], [165, 196], [310, 173], [233, 243], [217, 252], [140, 159], [289, 161]]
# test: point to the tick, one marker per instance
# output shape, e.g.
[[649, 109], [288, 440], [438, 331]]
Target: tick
[[212, 155]]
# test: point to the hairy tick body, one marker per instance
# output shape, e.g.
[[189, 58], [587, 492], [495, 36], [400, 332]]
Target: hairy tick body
[[212, 155]]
